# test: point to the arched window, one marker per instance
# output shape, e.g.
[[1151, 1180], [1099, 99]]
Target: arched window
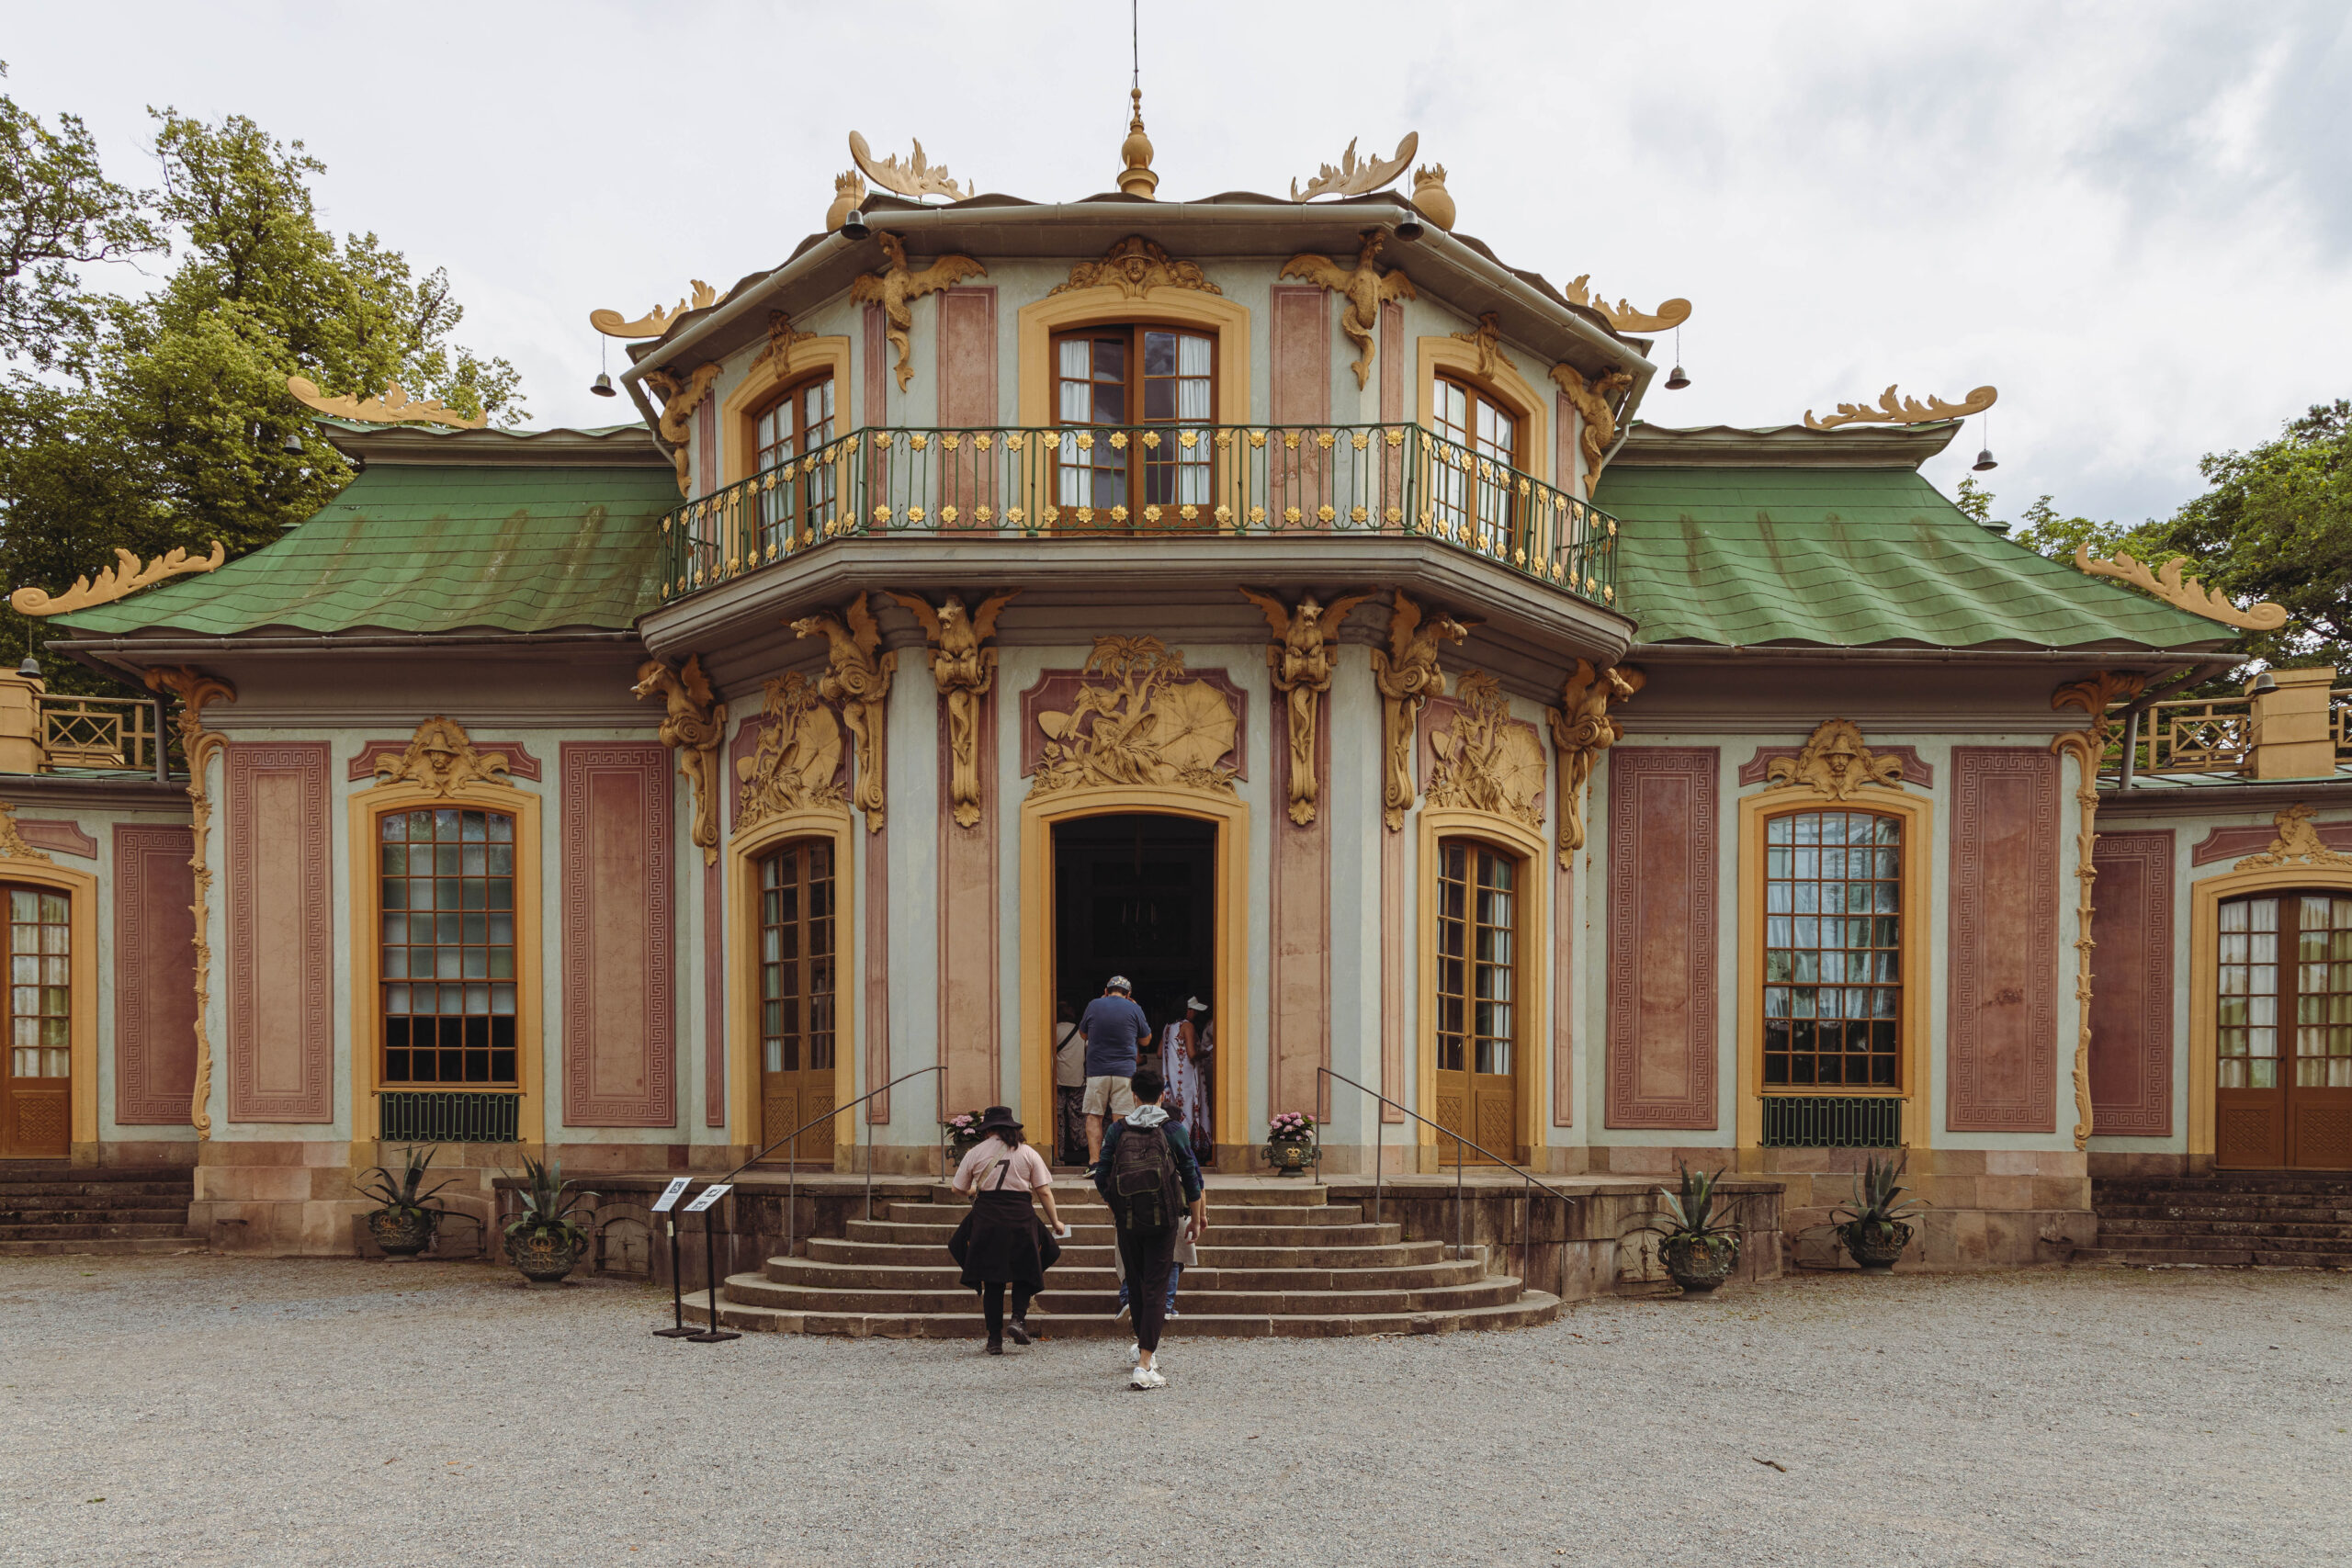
[[1481, 427], [797, 986], [799, 422], [1833, 951], [1135, 388], [36, 1093], [1478, 918], [446, 903], [2283, 1032]]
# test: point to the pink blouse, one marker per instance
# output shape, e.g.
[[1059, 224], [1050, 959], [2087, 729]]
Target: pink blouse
[[1024, 1172]]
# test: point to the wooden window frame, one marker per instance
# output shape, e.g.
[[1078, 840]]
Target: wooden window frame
[[807, 516], [1493, 510], [512, 1080], [1139, 459], [1904, 935]]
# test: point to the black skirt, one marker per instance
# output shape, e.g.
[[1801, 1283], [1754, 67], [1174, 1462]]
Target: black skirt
[[1003, 1242]]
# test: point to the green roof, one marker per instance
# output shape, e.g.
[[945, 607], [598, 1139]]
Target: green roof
[[1850, 556], [434, 548]]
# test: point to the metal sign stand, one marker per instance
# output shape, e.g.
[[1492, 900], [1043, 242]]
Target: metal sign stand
[[678, 1330], [707, 1201]]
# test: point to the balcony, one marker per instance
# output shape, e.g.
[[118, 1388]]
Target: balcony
[[2299, 727], [1144, 482], [45, 732]]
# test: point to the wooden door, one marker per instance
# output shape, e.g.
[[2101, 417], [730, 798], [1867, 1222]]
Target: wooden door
[[1477, 1000], [35, 1095], [2283, 1099], [797, 974]]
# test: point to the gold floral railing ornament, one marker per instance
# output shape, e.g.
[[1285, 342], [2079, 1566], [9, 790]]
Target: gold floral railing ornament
[[1301, 663], [914, 179], [1582, 729], [1139, 720], [1358, 177], [2182, 592], [391, 406], [963, 667], [797, 763], [693, 724], [196, 690], [858, 680], [126, 577], [1488, 761], [1406, 676], [657, 320], [2086, 746], [1622, 315], [1908, 411], [1364, 286], [441, 760], [895, 288]]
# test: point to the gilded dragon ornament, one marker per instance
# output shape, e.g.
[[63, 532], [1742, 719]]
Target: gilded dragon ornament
[[963, 667], [1300, 658], [693, 724], [1364, 286], [2087, 747], [1589, 397], [858, 679], [1406, 674], [896, 288], [1582, 729], [1138, 721], [195, 690]]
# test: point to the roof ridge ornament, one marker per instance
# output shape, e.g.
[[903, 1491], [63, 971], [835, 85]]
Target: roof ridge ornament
[[1908, 411], [1622, 315], [2181, 592], [118, 581], [657, 320], [1364, 287], [1136, 178], [914, 179], [1358, 177], [391, 406]]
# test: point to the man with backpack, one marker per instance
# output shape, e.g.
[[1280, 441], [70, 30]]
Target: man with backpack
[[1152, 1184]]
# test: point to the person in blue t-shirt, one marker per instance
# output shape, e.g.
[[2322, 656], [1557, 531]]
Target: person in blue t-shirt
[[1115, 1030]]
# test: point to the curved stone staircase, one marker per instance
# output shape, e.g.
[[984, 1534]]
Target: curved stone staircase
[[1275, 1260]]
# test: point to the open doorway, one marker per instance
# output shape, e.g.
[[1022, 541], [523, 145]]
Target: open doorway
[[1135, 894]]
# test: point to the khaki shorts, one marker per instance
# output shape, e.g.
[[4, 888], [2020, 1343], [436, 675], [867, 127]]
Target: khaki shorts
[[1109, 1095]]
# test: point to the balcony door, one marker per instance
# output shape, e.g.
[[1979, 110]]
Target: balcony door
[[1477, 998], [797, 986], [2283, 1099], [1136, 405], [35, 1095]]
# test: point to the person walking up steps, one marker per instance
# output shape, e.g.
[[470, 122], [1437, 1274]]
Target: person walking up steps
[[1000, 1243], [1116, 1030], [1152, 1184]]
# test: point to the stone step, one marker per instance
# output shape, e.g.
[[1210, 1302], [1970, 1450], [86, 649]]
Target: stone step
[[1214, 1252], [758, 1290], [17, 1172], [1298, 1194], [1528, 1307], [2261, 1243], [2309, 1215], [901, 1233], [176, 1229], [113, 1247], [82, 1212], [2110, 1224], [2212, 1258], [20, 1194], [916, 1211], [1066, 1275], [2246, 1183]]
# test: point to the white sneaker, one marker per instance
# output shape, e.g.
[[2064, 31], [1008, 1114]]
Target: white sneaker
[[1146, 1378], [1135, 1354]]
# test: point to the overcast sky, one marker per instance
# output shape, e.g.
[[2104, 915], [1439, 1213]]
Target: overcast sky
[[2133, 219]]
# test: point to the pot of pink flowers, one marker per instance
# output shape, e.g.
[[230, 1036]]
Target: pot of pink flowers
[[1291, 1148]]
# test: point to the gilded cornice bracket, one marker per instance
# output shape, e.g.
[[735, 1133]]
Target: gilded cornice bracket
[[1835, 761], [679, 399], [441, 760], [858, 680], [1364, 287], [1358, 177], [914, 179], [963, 667], [1582, 729], [2087, 745], [781, 339], [126, 577], [1487, 338], [657, 320], [1406, 674], [1625, 316], [12, 843], [1488, 761], [1136, 267], [796, 765], [2298, 842], [194, 691], [1589, 398], [693, 724], [1300, 659], [391, 406], [896, 288], [1907, 410], [1139, 719], [2181, 592]]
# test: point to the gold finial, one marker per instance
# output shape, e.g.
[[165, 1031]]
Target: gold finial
[[1136, 178]]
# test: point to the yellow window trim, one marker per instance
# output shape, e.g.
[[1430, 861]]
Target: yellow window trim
[[1918, 814], [1104, 305], [2204, 956], [1459, 358], [737, 438], [1529, 1062], [81, 889], [743, 854]]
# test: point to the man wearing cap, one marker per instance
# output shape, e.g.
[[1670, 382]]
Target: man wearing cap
[[1115, 1030]]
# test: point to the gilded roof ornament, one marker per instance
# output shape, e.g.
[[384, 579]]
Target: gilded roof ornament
[[1622, 315], [1908, 411], [1136, 178], [118, 581], [1364, 286], [1358, 177], [1136, 267], [914, 179], [2181, 592], [391, 406], [657, 320]]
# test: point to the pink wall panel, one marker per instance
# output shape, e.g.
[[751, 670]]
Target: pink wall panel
[[1300, 1007], [1662, 876], [1564, 1098], [969, 1017], [619, 984], [1301, 394], [714, 1000], [280, 960], [2001, 1031], [154, 975], [2131, 986]]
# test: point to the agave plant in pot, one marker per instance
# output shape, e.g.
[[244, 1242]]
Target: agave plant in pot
[[1874, 1229], [403, 1224], [1698, 1242], [542, 1238]]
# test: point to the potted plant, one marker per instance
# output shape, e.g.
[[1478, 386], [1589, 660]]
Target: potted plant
[[403, 1226], [542, 1239], [1874, 1231], [962, 1132], [1698, 1245], [1291, 1148]]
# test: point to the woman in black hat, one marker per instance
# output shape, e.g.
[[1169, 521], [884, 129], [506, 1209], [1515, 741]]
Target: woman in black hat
[[1000, 1243]]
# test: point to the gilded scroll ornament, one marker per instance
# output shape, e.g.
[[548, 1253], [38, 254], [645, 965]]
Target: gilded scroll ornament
[[1364, 287], [2298, 844], [657, 320], [1487, 338], [1835, 761], [895, 288], [198, 745], [964, 667], [441, 759], [1487, 762], [680, 398], [1599, 418], [1908, 411], [1405, 672], [1622, 315], [859, 680], [2087, 747], [1136, 267], [2181, 592], [126, 577], [693, 724], [391, 406], [1358, 177], [12, 843], [1300, 658], [1138, 721], [781, 337], [914, 179], [1582, 729], [799, 756]]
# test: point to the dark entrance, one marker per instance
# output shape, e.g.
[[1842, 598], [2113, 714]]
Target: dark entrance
[[1136, 895]]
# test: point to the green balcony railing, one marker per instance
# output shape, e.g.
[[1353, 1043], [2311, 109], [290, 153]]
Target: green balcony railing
[[1095, 482]]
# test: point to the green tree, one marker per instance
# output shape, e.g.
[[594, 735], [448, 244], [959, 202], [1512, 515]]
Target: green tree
[[58, 211]]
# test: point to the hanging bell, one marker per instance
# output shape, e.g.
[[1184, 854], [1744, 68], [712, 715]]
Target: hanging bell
[[853, 225], [603, 386], [293, 446], [1409, 227], [1984, 461], [1676, 379]]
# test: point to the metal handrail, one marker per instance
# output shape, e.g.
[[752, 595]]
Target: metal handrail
[[1527, 1220], [792, 1183]]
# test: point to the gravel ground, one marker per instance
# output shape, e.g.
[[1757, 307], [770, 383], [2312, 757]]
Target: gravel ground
[[200, 1410]]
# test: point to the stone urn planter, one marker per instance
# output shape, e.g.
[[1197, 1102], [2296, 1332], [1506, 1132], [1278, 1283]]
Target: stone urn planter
[[542, 1239], [1291, 1156], [402, 1233], [546, 1255], [1699, 1263], [1873, 1230], [403, 1223], [1697, 1246], [1874, 1249]]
